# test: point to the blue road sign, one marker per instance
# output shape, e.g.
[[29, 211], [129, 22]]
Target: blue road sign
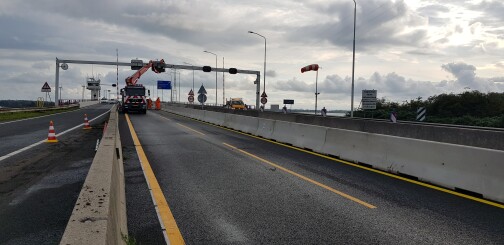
[[202, 90], [164, 84], [202, 98]]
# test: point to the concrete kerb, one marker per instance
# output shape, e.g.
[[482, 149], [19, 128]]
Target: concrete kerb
[[99, 215]]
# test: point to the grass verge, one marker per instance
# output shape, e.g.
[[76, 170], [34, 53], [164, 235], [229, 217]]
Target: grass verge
[[17, 115]]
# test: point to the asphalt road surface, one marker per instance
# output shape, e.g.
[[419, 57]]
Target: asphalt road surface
[[39, 187], [18, 134], [224, 187]]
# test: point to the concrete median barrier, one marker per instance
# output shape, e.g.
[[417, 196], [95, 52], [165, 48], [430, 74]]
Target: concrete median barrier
[[242, 123], [300, 135], [215, 117], [265, 128], [460, 167], [99, 215]]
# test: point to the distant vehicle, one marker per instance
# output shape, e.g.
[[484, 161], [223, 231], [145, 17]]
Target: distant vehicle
[[236, 103]]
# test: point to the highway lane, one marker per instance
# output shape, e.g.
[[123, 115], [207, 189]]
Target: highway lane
[[226, 187], [18, 134], [143, 223], [39, 187]]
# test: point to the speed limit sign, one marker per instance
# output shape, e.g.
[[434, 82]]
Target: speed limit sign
[[264, 100], [190, 98]]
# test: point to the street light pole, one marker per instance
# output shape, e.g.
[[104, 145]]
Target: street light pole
[[223, 87], [353, 60], [215, 75], [264, 75], [316, 92]]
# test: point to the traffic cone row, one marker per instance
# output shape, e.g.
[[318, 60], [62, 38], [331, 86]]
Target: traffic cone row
[[86, 122], [51, 137]]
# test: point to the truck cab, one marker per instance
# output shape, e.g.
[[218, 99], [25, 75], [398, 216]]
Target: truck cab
[[236, 103], [133, 99]]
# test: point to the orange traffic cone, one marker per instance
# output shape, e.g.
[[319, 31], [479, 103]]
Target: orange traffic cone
[[51, 137], [86, 122]]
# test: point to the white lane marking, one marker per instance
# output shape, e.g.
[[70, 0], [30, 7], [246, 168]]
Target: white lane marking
[[44, 140], [39, 117]]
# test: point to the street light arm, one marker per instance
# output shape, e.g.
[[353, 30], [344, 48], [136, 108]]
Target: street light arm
[[215, 75], [264, 75], [210, 52], [257, 34]]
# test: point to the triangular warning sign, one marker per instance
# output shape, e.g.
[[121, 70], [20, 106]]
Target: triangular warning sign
[[191, 92], [46, 88], [263, 95], [202, 90]]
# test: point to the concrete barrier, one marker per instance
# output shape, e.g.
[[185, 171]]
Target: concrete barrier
[[87, 103], [300, 135], [454, 166], [265, 128], [246, 124], [99, 215], [215, 117]]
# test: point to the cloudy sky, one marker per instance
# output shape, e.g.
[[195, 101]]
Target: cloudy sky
[[404, 49]]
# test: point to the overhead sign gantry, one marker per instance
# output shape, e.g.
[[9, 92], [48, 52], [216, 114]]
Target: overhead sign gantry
[[135, 64]]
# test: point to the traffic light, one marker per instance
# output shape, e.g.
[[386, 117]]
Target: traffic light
[[136, 64], [207, 68], [233, 71]]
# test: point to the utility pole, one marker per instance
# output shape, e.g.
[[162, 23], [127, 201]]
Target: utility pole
[[223, 88], [353, 60]]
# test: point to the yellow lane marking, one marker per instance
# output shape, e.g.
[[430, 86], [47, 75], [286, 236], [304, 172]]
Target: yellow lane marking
[[196, 131], [304, 177], [161, 116], [476, 199], [171, 228]]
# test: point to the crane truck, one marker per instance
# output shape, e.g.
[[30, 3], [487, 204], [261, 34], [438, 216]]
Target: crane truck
[[133, 94]]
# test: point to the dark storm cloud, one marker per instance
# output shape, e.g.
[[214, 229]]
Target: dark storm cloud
[[379, 24], [491, 12], [18, 33], [464, 73], [164, 19]]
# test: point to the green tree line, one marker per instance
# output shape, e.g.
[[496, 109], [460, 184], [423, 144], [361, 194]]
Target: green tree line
[[468, 108]]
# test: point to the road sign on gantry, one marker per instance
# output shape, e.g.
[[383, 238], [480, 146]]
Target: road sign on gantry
[[164, 84]]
